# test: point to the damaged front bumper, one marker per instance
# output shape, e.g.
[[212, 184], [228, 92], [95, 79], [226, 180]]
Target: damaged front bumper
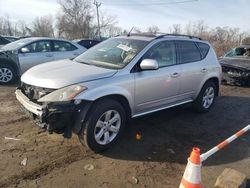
[[32, 107], [234, 76], [62, 117]]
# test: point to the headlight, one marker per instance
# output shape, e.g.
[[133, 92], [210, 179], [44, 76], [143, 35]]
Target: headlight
[[64, 94]]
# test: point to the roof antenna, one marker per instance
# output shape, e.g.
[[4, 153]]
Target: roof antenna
[[130, 31]]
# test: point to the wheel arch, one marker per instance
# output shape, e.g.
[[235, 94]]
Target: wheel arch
[[213, 78], [123, 95], [11, 63], [87, 105], [122, 100]]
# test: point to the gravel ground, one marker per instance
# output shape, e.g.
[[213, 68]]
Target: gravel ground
[[157, 160]]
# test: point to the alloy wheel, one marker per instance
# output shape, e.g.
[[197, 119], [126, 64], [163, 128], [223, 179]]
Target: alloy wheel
[[107, 127], [208, 97], [6, 75]]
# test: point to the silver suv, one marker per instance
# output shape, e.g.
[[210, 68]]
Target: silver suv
[[124, 77]]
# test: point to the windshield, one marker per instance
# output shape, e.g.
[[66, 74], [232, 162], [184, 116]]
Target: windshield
[[16, 44], [240, 51], [114, 53]]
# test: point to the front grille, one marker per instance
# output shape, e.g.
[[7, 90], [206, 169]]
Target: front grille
[[34, 93]]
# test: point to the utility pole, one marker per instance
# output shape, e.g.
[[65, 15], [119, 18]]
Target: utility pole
[[97, 13]]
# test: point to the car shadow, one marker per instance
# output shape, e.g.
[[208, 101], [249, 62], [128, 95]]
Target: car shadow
[[169, 135]]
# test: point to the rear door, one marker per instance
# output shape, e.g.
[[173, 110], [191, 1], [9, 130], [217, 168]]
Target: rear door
[[37, 52], [64, 50], [156, 89], [193, 68]]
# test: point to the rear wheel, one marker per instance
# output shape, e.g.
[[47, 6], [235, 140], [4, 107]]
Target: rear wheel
[[104, 125], [206, 97], [7, 74]]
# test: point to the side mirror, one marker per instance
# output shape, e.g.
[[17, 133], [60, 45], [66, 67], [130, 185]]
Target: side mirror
[[149, 64], [24, 50]]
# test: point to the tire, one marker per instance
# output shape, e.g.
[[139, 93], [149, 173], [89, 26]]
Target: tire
[[206, 97], [97, 133], [7, 74]]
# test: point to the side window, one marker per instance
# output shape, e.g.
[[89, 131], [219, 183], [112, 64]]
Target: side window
[[204, 49], [188, 52], [39, 46], [164, 53], [61, 46]]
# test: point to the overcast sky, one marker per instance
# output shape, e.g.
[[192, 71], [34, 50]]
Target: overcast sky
[[142, 14]]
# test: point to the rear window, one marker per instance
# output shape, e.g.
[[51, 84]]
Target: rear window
[[3, 41], [204, 49], [188, 52]]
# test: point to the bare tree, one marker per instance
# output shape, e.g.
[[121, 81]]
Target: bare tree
[[111, 31], [222, 38], [153, 29], [201, 28], [175, 29], [107, 26], [246, 40], [75, 19], [42, 27], [6, 27], [22, 28], [135, 30]]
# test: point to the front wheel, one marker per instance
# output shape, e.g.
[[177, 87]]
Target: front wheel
[[206, 97], [104, 125], [7, 74]]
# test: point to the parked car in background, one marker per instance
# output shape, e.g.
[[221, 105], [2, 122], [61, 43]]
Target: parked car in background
[[6, 40], [11, 38], [236, 66], [3, 41], [17, 57], [123, 77], [87, 43]]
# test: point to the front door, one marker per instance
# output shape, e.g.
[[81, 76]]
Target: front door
[[37, 52], [156, 89]]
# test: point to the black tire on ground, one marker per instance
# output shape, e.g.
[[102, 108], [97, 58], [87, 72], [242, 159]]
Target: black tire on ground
[[87, 134], [13, 72], [198, 103]]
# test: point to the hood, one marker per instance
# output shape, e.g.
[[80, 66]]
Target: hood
[[4, 52], [242, 62], [62, 73]]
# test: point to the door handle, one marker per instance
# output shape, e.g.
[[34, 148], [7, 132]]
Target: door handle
[[76, 53], [203, 70], [175, 75]]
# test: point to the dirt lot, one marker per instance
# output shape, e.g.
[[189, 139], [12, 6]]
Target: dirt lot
[[157, 160]]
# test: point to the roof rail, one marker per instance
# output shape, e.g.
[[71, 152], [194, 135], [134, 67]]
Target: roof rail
[[161, 35], [178, 35], [142, 34]]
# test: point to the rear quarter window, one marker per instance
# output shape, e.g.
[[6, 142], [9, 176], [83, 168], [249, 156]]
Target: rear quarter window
[[204, 49], [188, 52], [62, 46]]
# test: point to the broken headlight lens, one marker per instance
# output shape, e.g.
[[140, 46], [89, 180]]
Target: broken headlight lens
[[64, 94]]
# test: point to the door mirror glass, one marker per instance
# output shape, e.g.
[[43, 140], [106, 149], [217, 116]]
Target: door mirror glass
[[149, 64], [25, 50]]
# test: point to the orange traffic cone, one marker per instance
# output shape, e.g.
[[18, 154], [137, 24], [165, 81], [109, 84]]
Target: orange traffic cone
[[192, 174]]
